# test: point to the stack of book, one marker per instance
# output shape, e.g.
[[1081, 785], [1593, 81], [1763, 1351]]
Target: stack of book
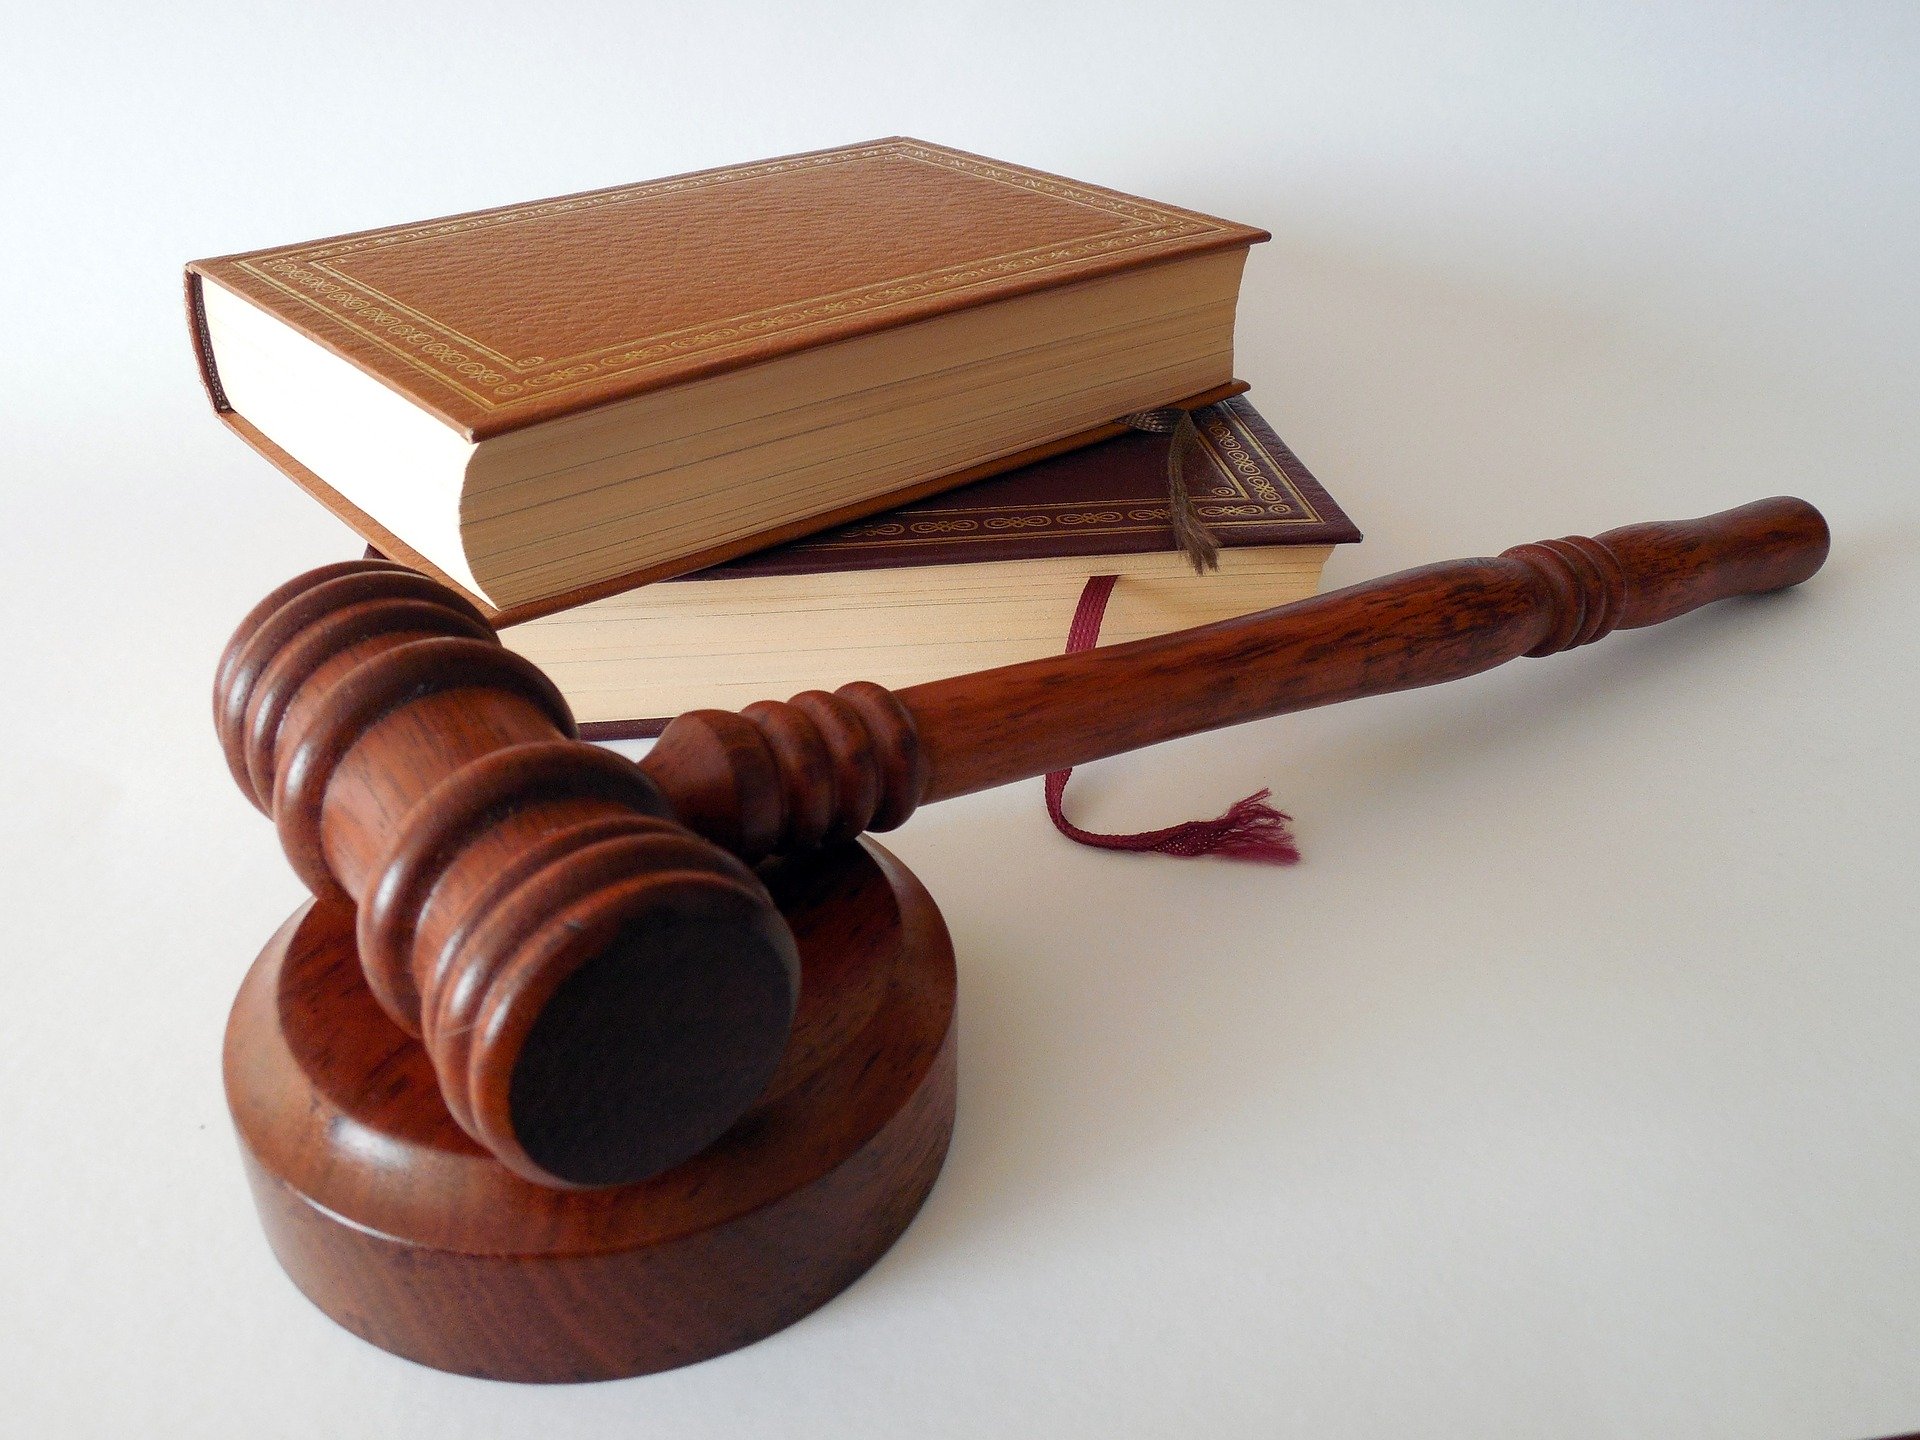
[[870, 413]]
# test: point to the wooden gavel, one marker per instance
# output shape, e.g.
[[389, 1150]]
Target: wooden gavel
[[601, 979]]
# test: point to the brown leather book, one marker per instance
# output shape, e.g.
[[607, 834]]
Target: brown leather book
[[552, 400], [984, 575]]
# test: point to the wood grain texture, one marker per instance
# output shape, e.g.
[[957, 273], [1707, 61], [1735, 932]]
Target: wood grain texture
[[390, 1217], [604, 990], [601, 992], [1420, 627], [763, 781]]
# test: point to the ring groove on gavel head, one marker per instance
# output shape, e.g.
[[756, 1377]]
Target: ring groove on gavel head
[[282, 680], [456, 812], [602, 992], [618, 1010], [369, 694], [326, 611]]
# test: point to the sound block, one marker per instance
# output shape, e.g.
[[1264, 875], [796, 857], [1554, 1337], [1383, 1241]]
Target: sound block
[[412, 1236]]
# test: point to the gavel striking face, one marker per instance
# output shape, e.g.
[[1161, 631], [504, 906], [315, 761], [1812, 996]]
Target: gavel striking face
[[602, 981]]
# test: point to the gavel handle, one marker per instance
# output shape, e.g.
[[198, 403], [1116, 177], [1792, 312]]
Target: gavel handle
[[819, 768], [604, 993], [1419, 627]]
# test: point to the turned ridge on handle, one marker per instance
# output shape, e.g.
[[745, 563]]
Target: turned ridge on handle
[[1419, 627], [603, 983]]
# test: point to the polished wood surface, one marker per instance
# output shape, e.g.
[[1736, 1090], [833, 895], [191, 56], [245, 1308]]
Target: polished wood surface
[[602, 992], [602, 989], [775, 777], [394, 1221], [1420, 627]]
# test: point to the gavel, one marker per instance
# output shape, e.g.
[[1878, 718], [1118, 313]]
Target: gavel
[[581, 942]]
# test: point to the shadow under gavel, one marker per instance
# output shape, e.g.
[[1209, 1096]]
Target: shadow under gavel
[[601, 979]]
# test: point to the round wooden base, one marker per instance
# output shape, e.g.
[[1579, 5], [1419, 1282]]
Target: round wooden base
[[405, 1231]]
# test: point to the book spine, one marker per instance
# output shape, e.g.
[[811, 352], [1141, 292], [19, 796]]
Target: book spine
[[203, 345]]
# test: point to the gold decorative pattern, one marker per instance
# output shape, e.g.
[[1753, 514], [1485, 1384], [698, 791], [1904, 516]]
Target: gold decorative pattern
[[310, 276], [1245, 485]]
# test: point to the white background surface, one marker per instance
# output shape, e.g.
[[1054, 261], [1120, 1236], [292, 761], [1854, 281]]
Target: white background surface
[[1569, 1088]]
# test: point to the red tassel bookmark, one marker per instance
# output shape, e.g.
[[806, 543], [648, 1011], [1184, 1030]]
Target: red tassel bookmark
[[1251, 829]]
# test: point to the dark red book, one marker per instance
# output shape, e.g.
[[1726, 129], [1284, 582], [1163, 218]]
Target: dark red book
[[985, 575]]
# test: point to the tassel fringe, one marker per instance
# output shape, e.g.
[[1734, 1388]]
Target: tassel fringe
[[1250, 829]]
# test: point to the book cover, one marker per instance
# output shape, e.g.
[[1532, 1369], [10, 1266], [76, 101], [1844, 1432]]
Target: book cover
[[504, 318], [1098, 502], [1103, 499]]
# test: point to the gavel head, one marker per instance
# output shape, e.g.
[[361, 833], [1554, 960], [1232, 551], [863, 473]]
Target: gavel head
[[602, 991]]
